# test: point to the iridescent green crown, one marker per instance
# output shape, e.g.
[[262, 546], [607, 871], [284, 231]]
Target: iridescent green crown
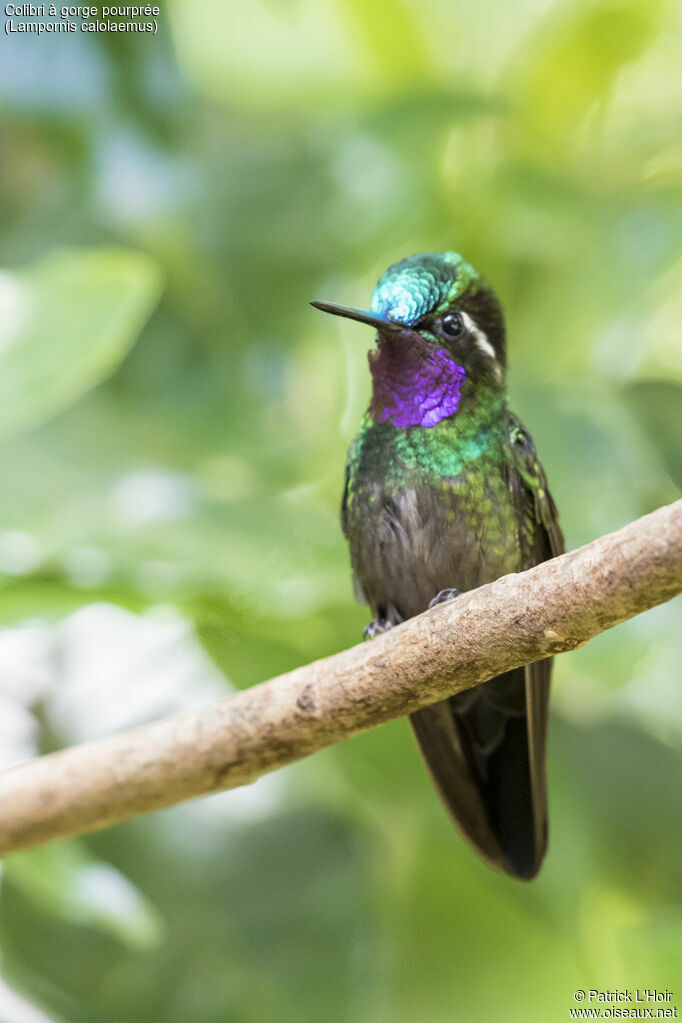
[[428, 282]]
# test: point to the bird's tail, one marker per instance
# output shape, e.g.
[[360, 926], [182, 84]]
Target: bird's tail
[[485, 749]]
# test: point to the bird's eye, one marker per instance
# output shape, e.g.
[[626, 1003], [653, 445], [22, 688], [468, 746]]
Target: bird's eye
[[452, 325]]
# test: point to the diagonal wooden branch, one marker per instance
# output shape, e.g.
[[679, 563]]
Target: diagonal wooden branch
[[552, 608]]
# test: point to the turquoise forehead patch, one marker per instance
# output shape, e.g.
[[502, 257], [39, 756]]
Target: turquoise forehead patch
[[424, 283]]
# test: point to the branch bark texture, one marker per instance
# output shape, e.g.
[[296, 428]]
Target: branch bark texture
[[552, 608]]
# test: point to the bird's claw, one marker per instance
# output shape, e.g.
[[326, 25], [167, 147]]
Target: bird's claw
[[444, 596], [376, 627]]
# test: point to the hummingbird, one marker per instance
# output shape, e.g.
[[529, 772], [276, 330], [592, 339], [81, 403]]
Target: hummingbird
[[444, 492]]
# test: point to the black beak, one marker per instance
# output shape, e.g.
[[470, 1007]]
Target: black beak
[[361, 315]]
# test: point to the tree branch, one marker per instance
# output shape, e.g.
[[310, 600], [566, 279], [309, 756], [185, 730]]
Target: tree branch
[[554, 607]]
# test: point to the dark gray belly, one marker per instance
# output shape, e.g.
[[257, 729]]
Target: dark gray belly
[[409, 543]]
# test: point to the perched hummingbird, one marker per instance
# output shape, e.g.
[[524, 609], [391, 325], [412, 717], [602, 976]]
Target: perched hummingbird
[[444, 492]]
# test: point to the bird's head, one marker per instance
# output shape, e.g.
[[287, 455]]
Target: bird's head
[[440, 337]]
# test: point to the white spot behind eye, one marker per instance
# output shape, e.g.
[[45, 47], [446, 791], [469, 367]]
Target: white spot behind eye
[[482, 343]]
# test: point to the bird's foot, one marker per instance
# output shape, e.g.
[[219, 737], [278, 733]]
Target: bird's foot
[[444, 596], [376, 627]]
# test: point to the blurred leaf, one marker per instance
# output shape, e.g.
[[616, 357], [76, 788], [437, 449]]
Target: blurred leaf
[[657, 405], [51, 598], [249, 644], [248, 647], [228, 50], [272, 913], [661, 347], [66, 323], [632, 799], [63, 879], [395, 39], [575, 58]]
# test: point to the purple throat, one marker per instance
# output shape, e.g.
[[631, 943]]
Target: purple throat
[[414, 383]]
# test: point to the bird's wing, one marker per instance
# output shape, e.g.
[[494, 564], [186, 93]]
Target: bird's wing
[[486, 748], [358, 588], [344, 502], [541, 538]]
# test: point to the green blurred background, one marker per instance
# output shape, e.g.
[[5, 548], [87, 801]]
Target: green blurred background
[[173, 425]]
